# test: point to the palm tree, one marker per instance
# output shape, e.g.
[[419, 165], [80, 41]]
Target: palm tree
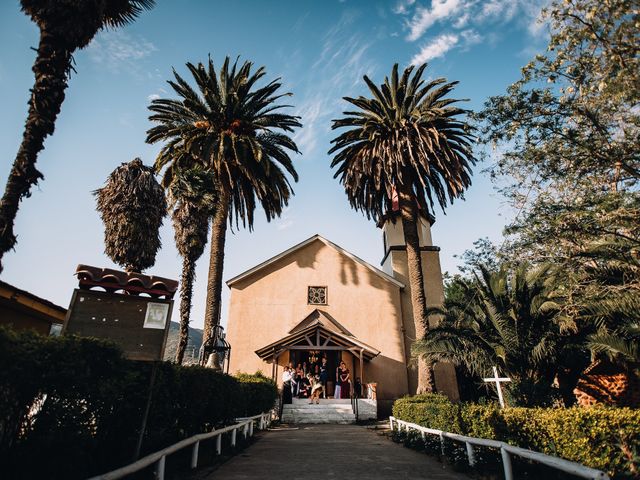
[[611, 299], [234, 130], [508, 319], [192, 202], [64, 28], [132, 205], [407, 138]]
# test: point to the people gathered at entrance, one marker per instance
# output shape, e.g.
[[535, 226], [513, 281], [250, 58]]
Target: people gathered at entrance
[[314, 381]]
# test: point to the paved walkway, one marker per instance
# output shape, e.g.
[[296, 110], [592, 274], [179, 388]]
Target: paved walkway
[[321, 452]]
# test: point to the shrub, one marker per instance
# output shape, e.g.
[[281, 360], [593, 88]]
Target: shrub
[[258, 392], [430, 409], [76, 404], [605, 438]]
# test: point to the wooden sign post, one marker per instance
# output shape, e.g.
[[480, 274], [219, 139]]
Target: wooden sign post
[[131, 309]]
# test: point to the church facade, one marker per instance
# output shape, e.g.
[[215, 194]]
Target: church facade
[[318, 300]]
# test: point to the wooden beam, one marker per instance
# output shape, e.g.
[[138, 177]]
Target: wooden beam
[[303, 347], [309, 341], [327, 341]]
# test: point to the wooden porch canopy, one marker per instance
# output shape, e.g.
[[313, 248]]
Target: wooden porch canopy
[[318, 331]]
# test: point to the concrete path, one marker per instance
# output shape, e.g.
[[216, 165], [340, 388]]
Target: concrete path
[[321, 452]]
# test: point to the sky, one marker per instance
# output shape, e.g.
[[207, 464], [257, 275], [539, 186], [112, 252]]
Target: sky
[[320, 49]]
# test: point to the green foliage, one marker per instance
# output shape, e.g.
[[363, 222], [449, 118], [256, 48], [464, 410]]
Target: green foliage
[[231, 129], [407, 136], [79, 404], [132, 206], [192, 199], [258, 392], [76, 22], [506, 318], [429, 409], [598, 437]]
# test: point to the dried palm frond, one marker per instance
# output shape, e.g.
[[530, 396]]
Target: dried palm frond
[[132, 206]]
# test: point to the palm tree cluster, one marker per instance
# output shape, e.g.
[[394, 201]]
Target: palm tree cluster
[[521, 319], [232, 128], [504, 318], [226, 150]]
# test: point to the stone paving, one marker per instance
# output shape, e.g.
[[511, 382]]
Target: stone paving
[[321, 452]]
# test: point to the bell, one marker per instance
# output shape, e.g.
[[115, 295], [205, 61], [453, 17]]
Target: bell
[[214, 361]]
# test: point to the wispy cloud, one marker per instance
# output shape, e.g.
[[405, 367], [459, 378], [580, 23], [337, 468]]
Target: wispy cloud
[[402, 6], [337, 71], [504, 10], [426, 17], [307, 138], [286, 220], [460, 20], [435, 48], [119, 51]]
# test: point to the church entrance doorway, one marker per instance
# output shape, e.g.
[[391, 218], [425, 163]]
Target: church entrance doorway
[[310, 361]]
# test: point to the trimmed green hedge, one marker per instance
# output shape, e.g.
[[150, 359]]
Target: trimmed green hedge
[[605, 438], [72, 407]]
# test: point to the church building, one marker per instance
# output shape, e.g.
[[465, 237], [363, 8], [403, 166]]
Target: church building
[[318, 300]]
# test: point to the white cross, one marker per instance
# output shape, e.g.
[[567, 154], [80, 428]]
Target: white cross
[[497, 381]]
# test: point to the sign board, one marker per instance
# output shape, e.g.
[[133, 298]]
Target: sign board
[[139, 325]]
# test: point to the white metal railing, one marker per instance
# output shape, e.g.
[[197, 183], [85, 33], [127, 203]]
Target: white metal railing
[[505, 450], [159, 457]]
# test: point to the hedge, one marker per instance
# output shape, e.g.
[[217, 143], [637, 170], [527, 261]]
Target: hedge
[[72, 407], [605, 438]]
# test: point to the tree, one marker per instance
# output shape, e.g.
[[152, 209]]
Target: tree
[[192, 202], [233, 129], [507, 318], [407, 138], [132, 205], [65, 26], [568, 133]]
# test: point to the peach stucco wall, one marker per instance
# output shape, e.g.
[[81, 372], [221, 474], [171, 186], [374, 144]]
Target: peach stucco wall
[[268, 304]]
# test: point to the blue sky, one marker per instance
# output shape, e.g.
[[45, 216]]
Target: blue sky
[[321, 49]]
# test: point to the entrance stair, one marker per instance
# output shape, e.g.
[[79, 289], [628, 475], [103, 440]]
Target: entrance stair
[[327, 411]]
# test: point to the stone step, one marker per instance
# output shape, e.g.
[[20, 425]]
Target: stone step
[[333, 418], [323, 400], [319, 408]]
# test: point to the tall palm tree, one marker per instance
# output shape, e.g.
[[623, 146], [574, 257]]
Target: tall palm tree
[[192, 202], [132, 206], [233, 129], [407, 138], [65, 26], [509, 319]]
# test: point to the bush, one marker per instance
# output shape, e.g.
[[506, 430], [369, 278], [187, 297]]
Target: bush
[[76, 404], [430, 409], [258, 392], [605, 438]]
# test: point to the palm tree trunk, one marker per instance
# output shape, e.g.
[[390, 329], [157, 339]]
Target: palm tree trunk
[[409, 215], [186, 293], [216, 263], [51, 68]]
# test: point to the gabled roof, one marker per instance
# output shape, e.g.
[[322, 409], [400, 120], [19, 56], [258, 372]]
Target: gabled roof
[[300, 246], [319, 317], [317, 336]]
